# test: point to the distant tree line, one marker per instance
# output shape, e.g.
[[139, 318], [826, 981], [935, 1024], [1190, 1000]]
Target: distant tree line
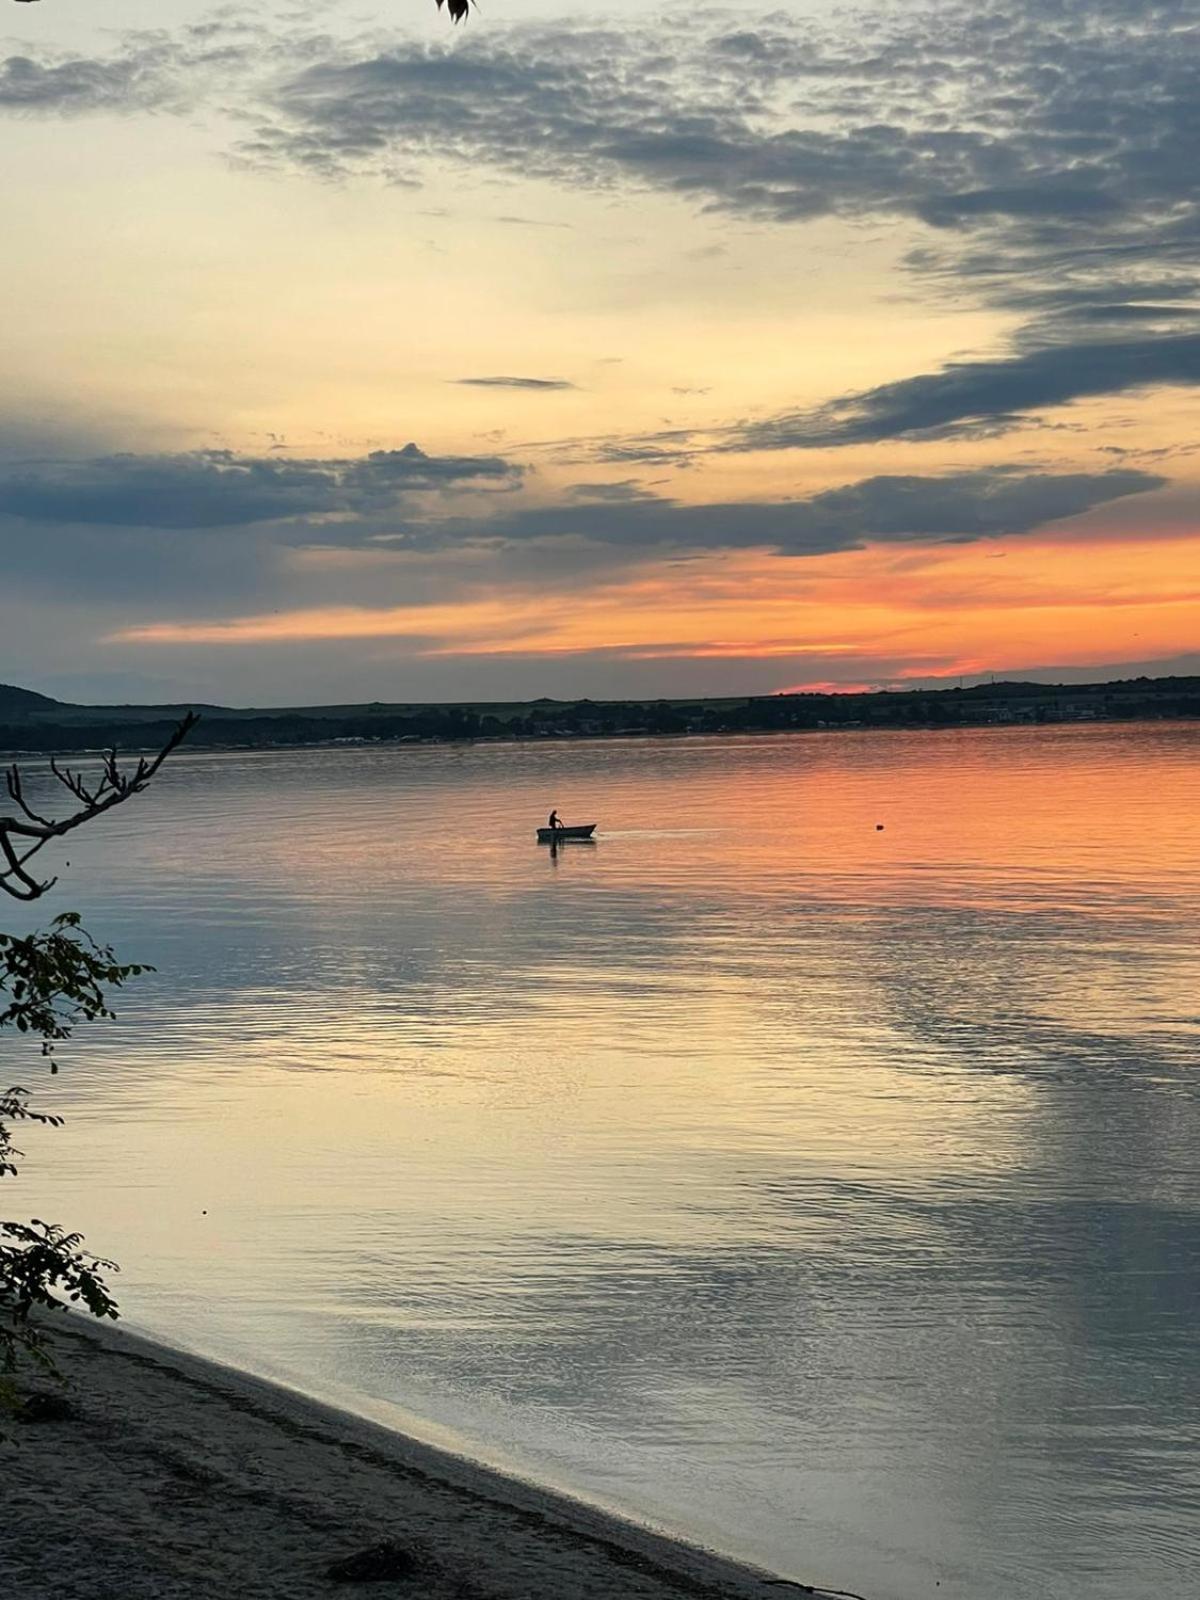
[[981, 705]]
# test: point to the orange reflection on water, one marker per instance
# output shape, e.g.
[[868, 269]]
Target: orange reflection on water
[[758, 1169]]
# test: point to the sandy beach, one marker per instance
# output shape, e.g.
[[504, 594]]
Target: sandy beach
[[175, 1478]]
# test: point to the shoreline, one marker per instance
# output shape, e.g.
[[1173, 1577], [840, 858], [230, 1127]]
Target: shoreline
[[178, 1478], [24, 753], [33, 724]]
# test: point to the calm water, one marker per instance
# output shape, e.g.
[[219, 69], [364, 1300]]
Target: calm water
[[825, 1193]]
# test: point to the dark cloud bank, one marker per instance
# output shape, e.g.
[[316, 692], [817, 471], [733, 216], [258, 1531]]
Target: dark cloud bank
[[959, 507], [217, 490], [982, 396]]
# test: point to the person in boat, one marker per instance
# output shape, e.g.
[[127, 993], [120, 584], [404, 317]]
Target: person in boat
[[556, 822]]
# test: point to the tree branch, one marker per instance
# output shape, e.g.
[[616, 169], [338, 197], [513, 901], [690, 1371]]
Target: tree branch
[[21, 837]]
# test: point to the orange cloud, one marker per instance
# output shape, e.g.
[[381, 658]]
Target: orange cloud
[[966, 607], [828, 686]]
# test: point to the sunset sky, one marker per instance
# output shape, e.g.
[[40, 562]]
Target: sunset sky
[[621, 350]]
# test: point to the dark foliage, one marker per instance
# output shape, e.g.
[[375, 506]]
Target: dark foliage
[[53, 980], [49, 982]]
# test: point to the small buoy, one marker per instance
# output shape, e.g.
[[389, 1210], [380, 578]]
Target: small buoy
[[879, 827]]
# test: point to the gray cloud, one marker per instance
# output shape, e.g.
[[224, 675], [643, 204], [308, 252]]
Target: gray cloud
[[963, 399], [516, 383], [529, 222], [138, 79], [622, 493], [217, 489], [1074, 115], [959, 507], [147, 71], [1074, 121], [966, 396], [668, 447], [253, 519]]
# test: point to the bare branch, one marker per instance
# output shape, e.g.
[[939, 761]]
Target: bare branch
[[22, 837], [14, 880], [12, 778]]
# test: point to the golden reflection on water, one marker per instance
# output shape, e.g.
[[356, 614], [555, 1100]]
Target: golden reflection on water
[[825, 1190]]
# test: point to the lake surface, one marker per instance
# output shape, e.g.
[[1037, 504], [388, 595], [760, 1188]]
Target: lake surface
[[824, 1193]]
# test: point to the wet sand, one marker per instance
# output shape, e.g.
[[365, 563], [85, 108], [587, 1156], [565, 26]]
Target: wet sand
[[176, 1478]]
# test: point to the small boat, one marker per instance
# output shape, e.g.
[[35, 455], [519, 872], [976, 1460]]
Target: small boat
[[582, 830]]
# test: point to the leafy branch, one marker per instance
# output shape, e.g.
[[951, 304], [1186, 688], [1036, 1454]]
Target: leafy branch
[[49, 982], [43, 1267], [54, 979], [15, 1107]]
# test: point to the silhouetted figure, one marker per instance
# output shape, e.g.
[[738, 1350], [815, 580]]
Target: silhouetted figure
[[556, 822]]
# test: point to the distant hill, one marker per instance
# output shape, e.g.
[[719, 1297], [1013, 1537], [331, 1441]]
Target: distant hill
[[32, 722], [20, 705]]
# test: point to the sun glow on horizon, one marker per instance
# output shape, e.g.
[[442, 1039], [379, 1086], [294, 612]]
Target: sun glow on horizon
[[942, 611]]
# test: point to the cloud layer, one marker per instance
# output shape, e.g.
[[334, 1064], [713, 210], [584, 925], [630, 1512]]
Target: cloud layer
[[348, 502], [1045, 150], [982, 396], [886, 509], [217, 489], [535, 384]]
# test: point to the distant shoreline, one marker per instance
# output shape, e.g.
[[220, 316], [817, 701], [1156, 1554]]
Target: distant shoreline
[[268, 747], [32, 725], [178, 1475]]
